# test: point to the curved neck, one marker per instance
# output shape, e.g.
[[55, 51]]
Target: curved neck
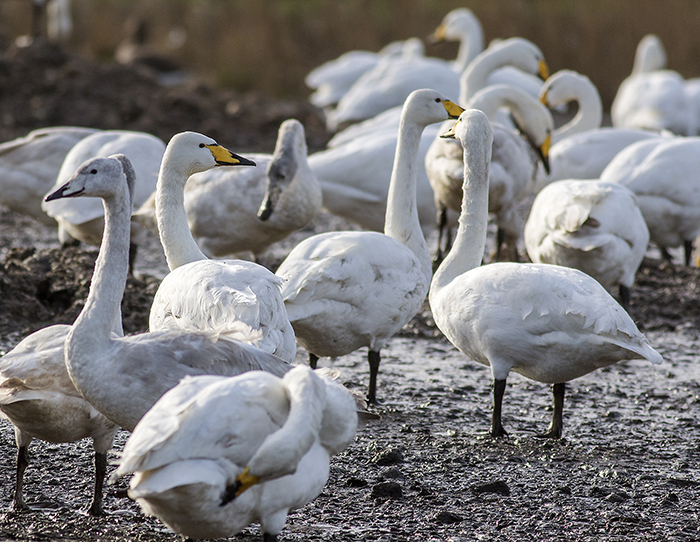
[[475, 77], [102, 311], [401, 220], [589, 115], [468, 247], [178, 243]]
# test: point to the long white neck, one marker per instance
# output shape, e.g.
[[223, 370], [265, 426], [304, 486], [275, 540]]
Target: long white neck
[[471, 43], [589, 115], [102, 311], [178, 243], [475, 76], [401, 220], [468, 248]]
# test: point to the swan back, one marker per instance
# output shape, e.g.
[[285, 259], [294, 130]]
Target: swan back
[[143, 150]]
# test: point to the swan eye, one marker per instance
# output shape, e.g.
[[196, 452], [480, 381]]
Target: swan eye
[[201, 145], [437, 100], [93, 172]]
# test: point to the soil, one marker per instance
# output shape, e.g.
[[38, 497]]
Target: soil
[[626, 469]]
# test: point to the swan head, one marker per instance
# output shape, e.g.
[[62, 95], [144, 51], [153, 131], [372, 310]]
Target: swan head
[[190, 152], [563, 87], [427, 106], [455, 24], [473, 122], [98, 177], [650, 55], [290, 152]]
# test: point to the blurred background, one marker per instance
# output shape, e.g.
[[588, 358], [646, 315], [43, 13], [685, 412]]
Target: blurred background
[[270, 45]]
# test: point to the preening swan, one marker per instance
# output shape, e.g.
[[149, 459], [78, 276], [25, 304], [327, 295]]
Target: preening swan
[[663, 174], [347, 290], [29, 166], [594, 226], [122, 377], [203, 294], [514, 160], [549, 323], [581, 148], [38, 397], [216, 454]]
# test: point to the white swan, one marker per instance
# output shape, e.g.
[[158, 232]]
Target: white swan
[[347, 290], [514, 160], [594, 226], [581, 148], [549, 323], [663, 174], [201, 294], [332, 79], [389, 83], [30, 164], [122, 377], [654, 99], [84, 219], [38, 397], [354, 175], [216, 454]]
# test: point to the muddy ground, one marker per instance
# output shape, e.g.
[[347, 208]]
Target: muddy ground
[[626, 469]]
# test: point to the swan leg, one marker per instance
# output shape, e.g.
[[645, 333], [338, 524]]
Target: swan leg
[[373, 358], [441, 225], [95, 508], [688, 251], [624, 297], [22, 463], [499, 388], [313, 360], [557, 425], [666, 255], [132, 258]]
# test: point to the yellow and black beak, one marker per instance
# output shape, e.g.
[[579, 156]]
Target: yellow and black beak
[[225, 157], [243, 481], [453, 110], [542, 70], [451, 133], [543, 151], [543, 99]]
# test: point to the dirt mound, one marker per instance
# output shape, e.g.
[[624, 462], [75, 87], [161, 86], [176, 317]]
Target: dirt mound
[[42, 85]]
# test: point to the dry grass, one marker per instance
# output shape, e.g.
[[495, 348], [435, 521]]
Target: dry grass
[[269, 45]]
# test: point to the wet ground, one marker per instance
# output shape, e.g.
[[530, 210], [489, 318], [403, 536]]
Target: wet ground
[[626, 469]]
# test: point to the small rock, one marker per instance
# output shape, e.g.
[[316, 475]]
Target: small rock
[[499, 487], [356, 482], [387, 490], [446, 518], [388, 457]]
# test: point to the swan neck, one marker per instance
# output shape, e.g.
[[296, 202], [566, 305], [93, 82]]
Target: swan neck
[[471, 44], [178, 243], [401, 220], [588, 117], [475, 77], [468, 247], [101, 314]]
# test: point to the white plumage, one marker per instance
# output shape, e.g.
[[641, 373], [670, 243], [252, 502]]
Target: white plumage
[[216, 454], [594, 226], [29, 166], [203, 294], [664, 175], [347, 290], [548, 323]]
